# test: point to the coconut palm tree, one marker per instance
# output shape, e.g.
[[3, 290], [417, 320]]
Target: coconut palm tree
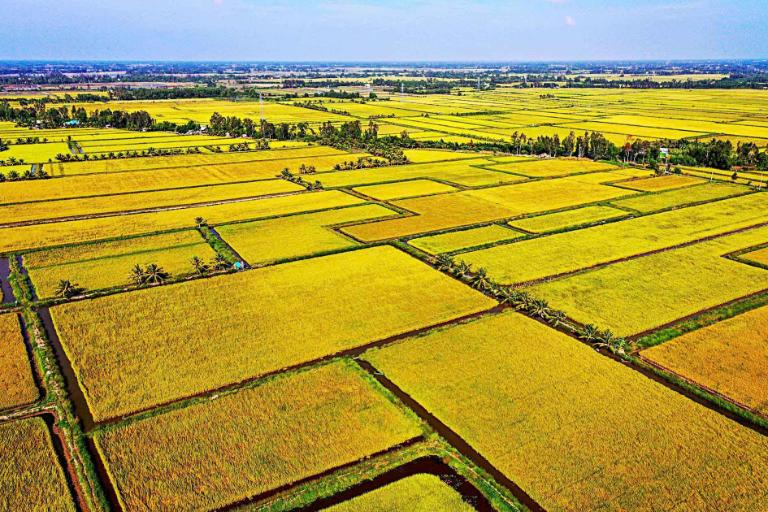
[[199, 265], [480, 280], [463, 270], [67, 289], [524, 301], [556, 318], [444, 263], [220, 263], [589, 333], [138, 276], [539, 308], [155, 274]]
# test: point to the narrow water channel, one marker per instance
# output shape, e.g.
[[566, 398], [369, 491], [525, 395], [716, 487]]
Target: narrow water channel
[[5, 285]]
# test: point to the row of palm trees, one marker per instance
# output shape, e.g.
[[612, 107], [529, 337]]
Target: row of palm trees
[[522, 301], [152, 274], [286, 174]]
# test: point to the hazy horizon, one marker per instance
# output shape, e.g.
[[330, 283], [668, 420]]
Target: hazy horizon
[[369, 31]]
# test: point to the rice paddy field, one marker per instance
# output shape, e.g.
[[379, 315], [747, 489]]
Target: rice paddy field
[[339, 333], [571, 426], [108, 264], [228, 443], [30, 475], [17, 385]]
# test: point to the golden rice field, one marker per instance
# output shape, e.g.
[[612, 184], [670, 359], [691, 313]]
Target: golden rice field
[[446, 211], [247, 443], [659, 183], [247, 314], [529, 260], [573, 428], [404, 189], [681, 197], [730, 357], [108, 264], [113, 204], [567, 219], [670, 285], [89, 230], [464, 239], [266, 241], [419, 493], [30, 475], [17, 385], [306, 375]]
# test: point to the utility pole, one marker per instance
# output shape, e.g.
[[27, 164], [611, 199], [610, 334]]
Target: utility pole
[[261, 105]]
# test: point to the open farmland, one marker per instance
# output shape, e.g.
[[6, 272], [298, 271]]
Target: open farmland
[[247, 443], [107, 264], [17, 386], [246, 313], [538, 396], [383, 290], [730, 357], [30, 475]]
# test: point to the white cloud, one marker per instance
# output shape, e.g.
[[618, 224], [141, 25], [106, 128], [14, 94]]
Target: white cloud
[[570, 21]]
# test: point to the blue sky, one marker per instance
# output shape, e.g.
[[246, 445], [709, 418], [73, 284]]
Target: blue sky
[[511, 30]]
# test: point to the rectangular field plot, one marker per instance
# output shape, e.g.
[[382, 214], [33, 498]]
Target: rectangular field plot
[[144, 181], [249, 442], [417, 493], [269, 240], [463, 172], [292, 157], [670, 285], [553, 167], [537, 398], [356, 298], [63, 208], [419, 156], [673, 198], [108, 264], [17, 386], [30, 475], [730, 357], [457, 240], [402, 189], [659, 183], [567, 219], [759, 256], [530, 260], [484, 205], [89, 230]]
